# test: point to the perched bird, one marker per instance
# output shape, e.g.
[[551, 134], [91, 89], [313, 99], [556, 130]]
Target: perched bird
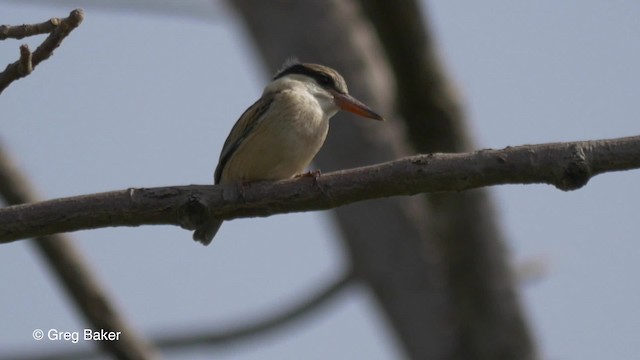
[[277, 137]]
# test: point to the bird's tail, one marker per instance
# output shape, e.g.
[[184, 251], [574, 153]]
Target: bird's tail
[[207, 232]]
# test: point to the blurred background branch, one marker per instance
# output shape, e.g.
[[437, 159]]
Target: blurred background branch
[[75, 274], [489, 323], [190, 338]]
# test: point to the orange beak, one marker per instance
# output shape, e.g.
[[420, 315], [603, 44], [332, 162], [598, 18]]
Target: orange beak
[[352, 105]]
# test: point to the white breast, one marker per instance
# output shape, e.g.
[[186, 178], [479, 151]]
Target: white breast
[[283, 144]]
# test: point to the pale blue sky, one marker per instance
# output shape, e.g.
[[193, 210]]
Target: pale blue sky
[[134, 98]]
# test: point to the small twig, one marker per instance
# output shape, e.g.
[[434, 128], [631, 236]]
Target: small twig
[[568, 166], [45, 50], [22, 31], [58, 29], [313, 302], [25, 64], [75, 274]]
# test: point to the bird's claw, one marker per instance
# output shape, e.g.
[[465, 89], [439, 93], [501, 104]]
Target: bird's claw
[[315, 174], [241, 189], [311, 173]]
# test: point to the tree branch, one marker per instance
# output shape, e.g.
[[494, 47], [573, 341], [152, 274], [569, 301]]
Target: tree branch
[[75, 274], [567, 166], [21, 31], [58, 29]]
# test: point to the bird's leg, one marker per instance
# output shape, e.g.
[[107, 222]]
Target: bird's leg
[[241, 187], [315, 174], [311, 173]]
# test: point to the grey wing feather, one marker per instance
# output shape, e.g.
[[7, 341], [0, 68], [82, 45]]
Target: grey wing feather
[[243, 127]]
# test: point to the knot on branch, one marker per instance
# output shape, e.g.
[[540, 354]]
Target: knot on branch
[[576, 170], [25, 64], [4, 32], [193, 213]]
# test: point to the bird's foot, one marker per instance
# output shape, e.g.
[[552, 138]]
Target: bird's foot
[[242, 185], [311, 173], [315, 174]]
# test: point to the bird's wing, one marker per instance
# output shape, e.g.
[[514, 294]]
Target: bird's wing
[[241, 130]]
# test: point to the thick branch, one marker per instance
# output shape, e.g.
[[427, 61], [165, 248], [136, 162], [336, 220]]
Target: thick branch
[[567, 166], [424, 90], [58, 29]]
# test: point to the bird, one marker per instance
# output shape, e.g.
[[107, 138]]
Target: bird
[[278, 136]]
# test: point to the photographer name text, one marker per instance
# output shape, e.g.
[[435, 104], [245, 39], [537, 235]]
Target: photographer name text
[[76, 336]]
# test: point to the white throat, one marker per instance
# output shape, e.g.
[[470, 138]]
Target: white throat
[[303, 85]]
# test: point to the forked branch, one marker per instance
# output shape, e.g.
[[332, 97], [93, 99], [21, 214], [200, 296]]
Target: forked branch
[[58, 29]]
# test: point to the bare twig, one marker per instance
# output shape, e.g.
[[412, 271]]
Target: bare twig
[[188, 339], [568, 166], [22, 31], [58, 29], [25, 63], [75, 274]]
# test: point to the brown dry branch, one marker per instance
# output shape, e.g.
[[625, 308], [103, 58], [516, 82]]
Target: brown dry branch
[[58, 29], [567, 166], [25, 30], [75, 274]]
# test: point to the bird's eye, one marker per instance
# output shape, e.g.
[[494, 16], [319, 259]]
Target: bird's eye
[[325, 80]]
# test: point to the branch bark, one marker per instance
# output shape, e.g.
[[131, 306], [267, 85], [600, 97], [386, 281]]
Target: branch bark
[[567, 166], [22, 31], [58, 29]]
